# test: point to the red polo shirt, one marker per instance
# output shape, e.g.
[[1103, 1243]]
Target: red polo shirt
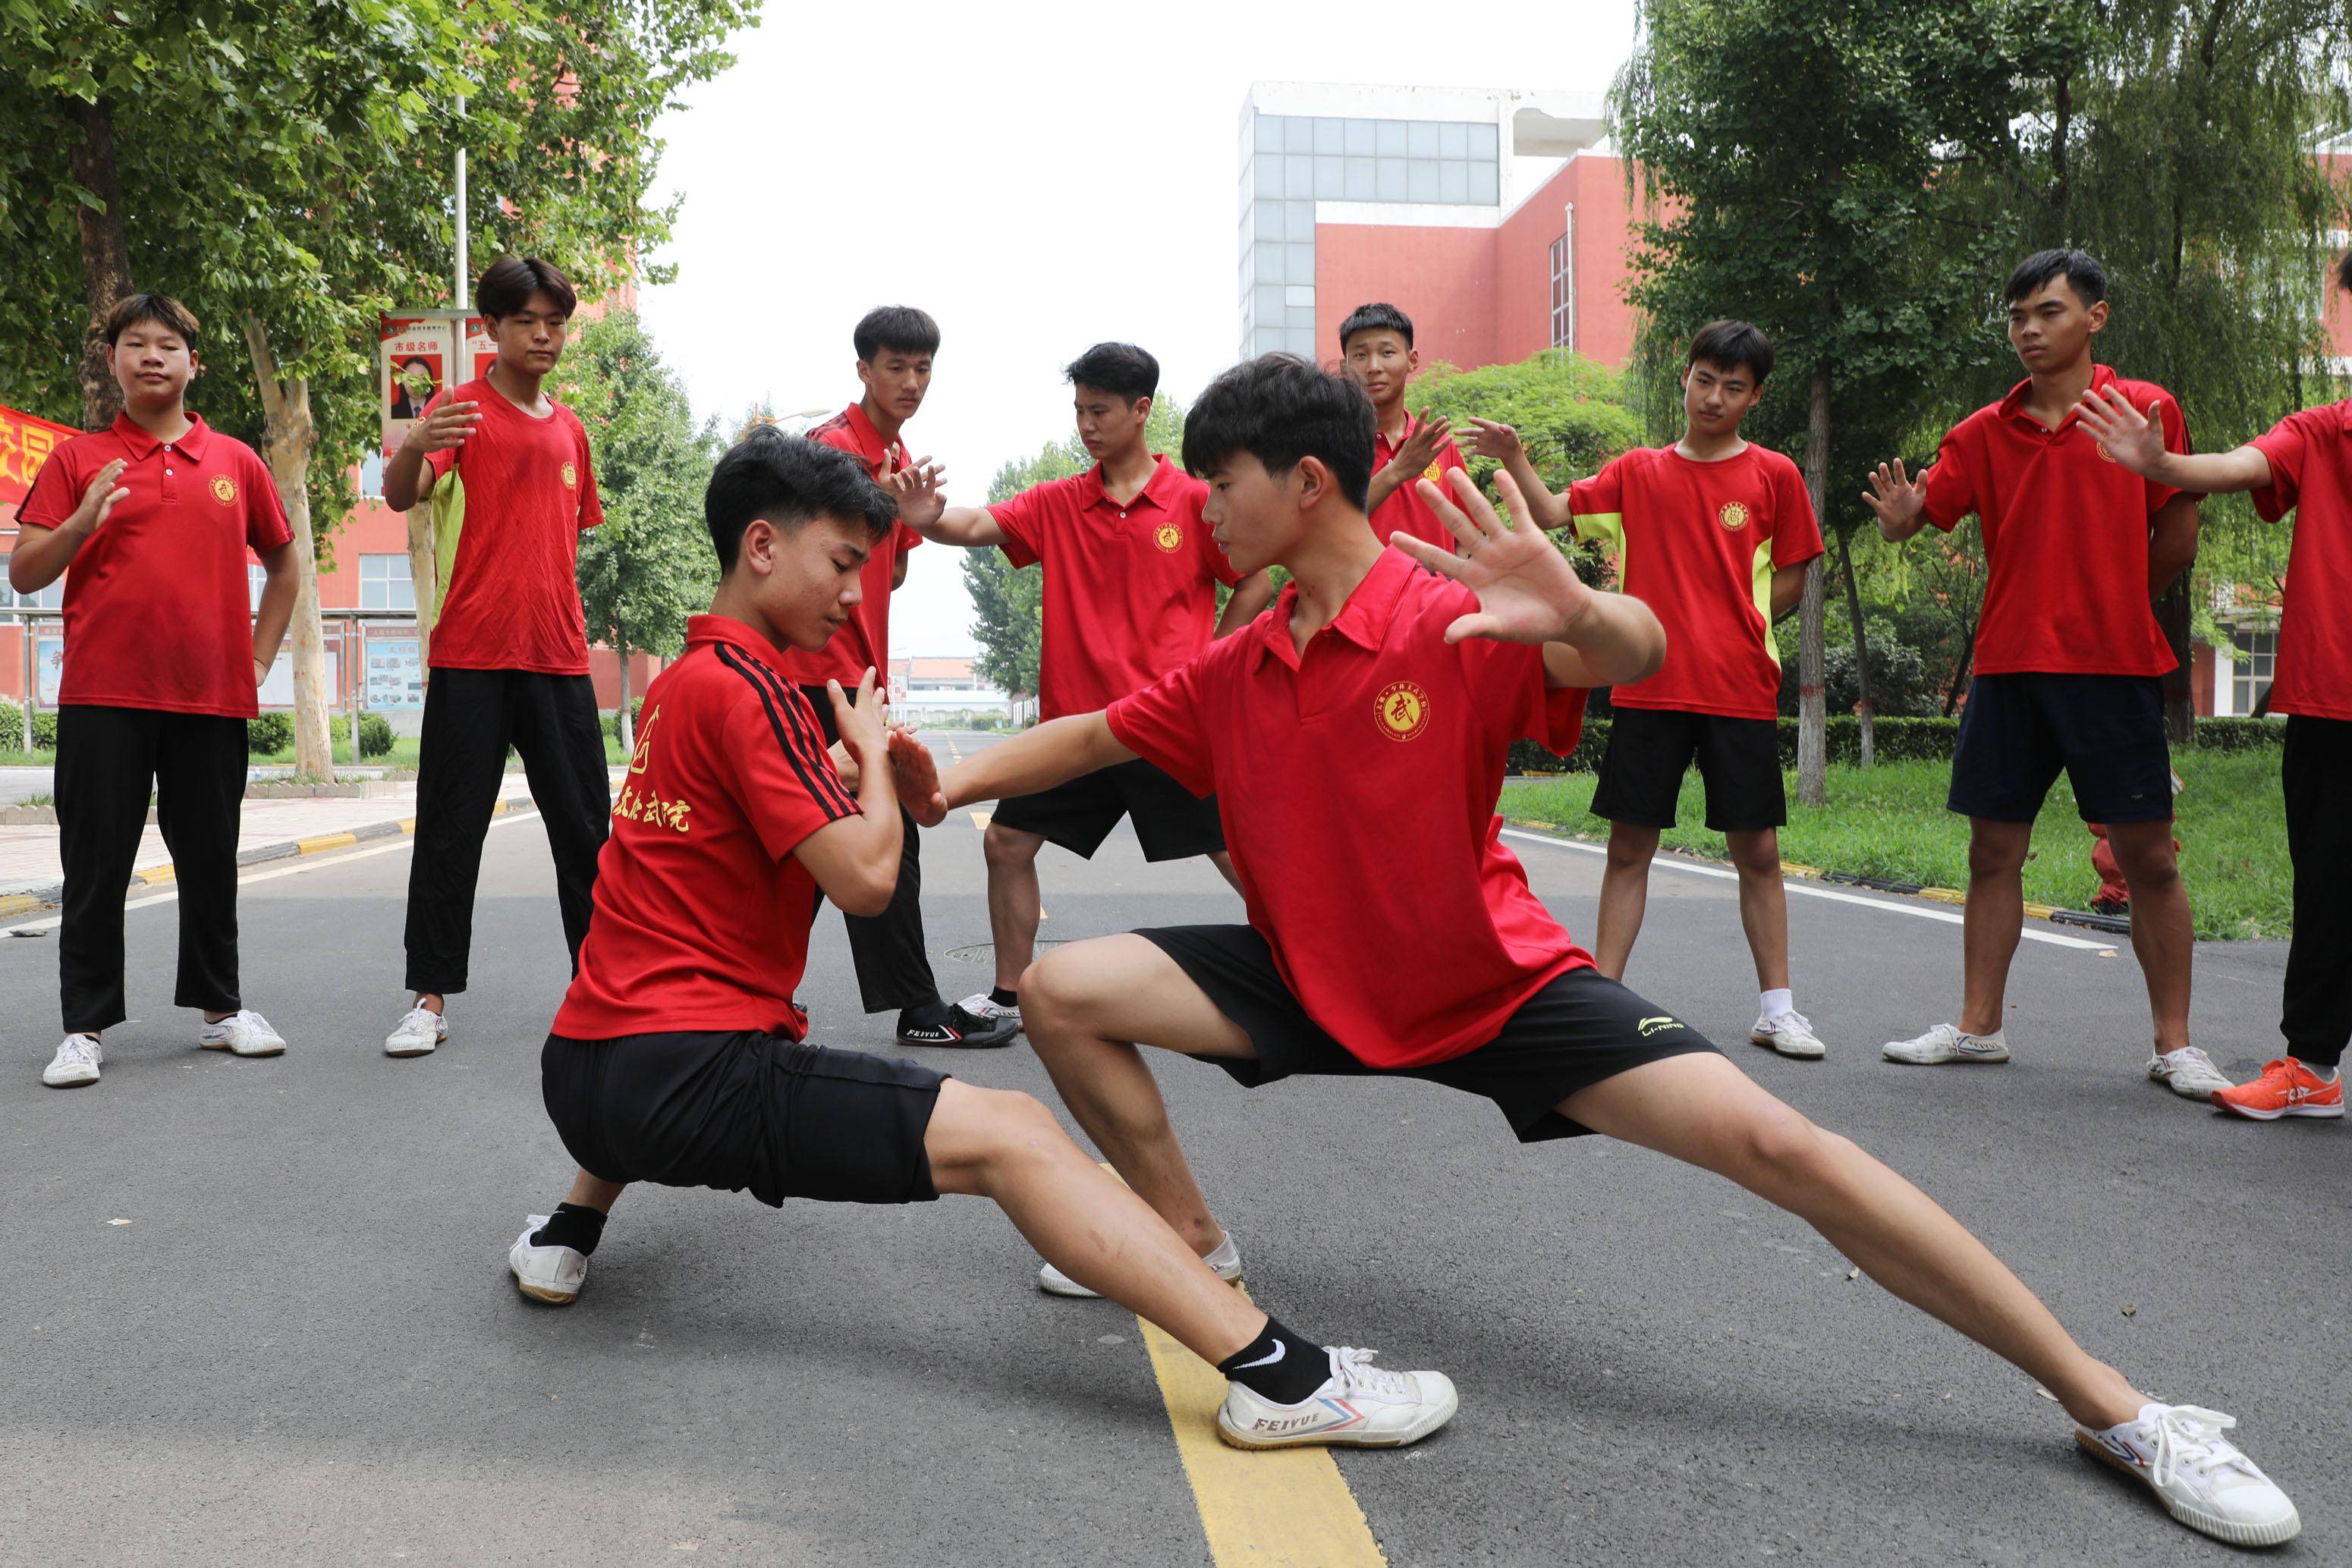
[[1131, 590], [2311, 472], [702, 910], [2065, 536], [1357, 786], [1404, 512], [529, 488], [864, 638], [158, 613], [1698, 543]]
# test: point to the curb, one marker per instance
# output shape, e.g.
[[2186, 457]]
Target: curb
[[30, 901]]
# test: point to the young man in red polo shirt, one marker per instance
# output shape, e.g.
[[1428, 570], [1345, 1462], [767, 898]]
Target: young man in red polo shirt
[[1714, 534], [1376, 347], [1396, 694], [2303, 465], [509, 654], [154, 515], [895, 346], [680, 1057], [1131, 578], [2069, 658]]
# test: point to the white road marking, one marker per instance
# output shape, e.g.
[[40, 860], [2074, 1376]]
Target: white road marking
[[1809, 891]]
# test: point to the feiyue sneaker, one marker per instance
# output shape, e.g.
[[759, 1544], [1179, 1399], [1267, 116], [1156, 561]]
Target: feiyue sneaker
[[550, 1274], [418, 1032], [1360, 1405], [1226, 1261], [958, 1027], [1789, 1033], [2199, 1475], [2286, 1088], [1945, 1042], [76, 1063], [243, 1033], [2188, 1072], [980, 1006]]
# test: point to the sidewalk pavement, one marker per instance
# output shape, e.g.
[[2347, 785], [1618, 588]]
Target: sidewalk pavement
[[31, 876]]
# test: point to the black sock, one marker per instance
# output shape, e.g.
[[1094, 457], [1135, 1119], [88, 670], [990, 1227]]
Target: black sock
[[930, 1014], [575, 1227], [1003, 998], [1279, 1364]]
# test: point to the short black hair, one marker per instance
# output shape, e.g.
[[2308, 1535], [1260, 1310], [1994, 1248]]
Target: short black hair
[[899, 327], [790, 481], [1278, 408], [508, 284], [1728, 343], [1364, 318], [161, 309], [2081, 271], [1119, 368], [2343, 273]]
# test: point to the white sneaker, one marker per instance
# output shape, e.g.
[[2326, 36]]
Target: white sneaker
[[1791, 1033], [76, 1063], [243, 1033], [2188, 1072], [1360, 1405], [978, 1006], [1945, 1042], [419, 1031], [1226, 1261], [2199, 1475], [550, 1274]]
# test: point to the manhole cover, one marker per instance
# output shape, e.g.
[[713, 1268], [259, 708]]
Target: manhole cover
[[985, 954]]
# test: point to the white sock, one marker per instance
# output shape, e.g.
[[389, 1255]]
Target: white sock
[[1775, 1003], [2324, 1074]]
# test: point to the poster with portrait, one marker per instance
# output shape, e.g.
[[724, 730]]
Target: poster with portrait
[[480, 347], [413, 365]]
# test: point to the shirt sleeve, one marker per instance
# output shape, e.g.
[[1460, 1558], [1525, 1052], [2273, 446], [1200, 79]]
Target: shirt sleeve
[[2287, 447], [265, 514], [56, 490], [1162, 723], [774, 766], [1796, 532], [592, 504], [1022, 521], [1951, 494], [1597, 506], [907, 538], [2175, 440], [1516, 699]]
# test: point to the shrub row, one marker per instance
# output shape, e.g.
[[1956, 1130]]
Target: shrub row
[[612, 720], [1893, 740], [274, 732]]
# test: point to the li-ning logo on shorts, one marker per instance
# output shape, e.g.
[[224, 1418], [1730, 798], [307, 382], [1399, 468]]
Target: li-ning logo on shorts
[[571, 477], [224, 489], [1658, 1025], [1403, 708], [1170, 538], [1734, 516]]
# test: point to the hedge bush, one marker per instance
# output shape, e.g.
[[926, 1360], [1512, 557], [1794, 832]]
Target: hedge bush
[[612, 720], [1893, 740], [375, 735], [2239, 733], [272, 732], [12, 726]]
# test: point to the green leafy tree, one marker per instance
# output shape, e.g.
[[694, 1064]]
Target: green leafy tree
[[650, 566]]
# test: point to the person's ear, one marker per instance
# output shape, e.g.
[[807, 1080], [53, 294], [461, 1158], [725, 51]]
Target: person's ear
[[1313, 481], [2099, 315]]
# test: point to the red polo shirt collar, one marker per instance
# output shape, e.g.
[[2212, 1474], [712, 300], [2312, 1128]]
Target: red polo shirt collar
[[1363, 620], [711, 627], [870, 445], [143, 445], [1159, 489], [2013, 405]]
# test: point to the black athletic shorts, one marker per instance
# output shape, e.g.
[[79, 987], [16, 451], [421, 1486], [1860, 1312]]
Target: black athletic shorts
[[743, 1112], [1580, 1029], [1650, 749], [2106, 732], [1172, 822]]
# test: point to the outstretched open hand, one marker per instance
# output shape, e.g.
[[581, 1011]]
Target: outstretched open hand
[[915, 773], [2132, 438], [1894, 495], [916, 488], [1526, 590]]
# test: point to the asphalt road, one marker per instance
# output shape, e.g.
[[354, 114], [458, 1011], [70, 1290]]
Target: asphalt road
[[303, 1348]]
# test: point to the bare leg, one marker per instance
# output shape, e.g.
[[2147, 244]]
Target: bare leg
[[594, 1191], [431, 1001], [1082, 1006], [1006, 1146], [2164, 936], [1993, 920], [1702, 1109], [1624, 895], [1763, 904], [1224, 864], [1014, 902]]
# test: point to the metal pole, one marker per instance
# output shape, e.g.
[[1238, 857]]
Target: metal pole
[[32, 680], [459, 296]]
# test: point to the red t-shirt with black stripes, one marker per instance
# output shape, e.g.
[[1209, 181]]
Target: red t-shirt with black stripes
[[702, 910]]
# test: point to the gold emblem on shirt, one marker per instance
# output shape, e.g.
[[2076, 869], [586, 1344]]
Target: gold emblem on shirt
[[1434, 473], [1404, 709], [224, 489], [1169, 537], [644, 752], [1734, 516], [2103, 452], [638, 804], [571, 477]]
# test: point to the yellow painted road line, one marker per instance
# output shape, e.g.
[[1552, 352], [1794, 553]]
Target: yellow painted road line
[[1288, 1508]]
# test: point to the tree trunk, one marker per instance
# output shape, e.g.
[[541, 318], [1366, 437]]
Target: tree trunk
[[1812, 733], [628, 727], [288, 436], [2179, 694], [105, 252], [424, 576], [1866, 710]]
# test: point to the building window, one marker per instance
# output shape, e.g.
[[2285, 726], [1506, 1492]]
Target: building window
[[2250, 675], [385, 583], [1563, 306], [51, 597], [371, 477]]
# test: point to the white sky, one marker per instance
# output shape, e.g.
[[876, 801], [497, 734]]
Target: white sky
[[1038, 177]]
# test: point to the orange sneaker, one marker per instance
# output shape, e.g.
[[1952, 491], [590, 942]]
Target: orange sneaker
[[2286, 1088]]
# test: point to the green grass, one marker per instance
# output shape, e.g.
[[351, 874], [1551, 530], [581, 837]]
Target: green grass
[[1890, 822], [404, 754]]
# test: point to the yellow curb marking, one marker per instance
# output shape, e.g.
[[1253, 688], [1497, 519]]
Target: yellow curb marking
[[19, 903], [1944, 895], [322, 842], [152, 874]]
